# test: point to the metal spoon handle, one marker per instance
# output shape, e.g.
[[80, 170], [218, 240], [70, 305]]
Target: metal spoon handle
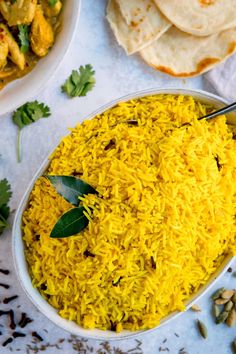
[[224, 110]]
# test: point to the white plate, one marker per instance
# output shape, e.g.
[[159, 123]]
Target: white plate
[[18, 246], [22, 90]]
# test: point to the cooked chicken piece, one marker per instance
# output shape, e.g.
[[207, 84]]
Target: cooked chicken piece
[[14, 54], [51, 11], [41, 35], [6, 72], [19, 12], [3, 51]]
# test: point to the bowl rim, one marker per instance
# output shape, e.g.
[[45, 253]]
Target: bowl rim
[[50, 72], [19, 260]]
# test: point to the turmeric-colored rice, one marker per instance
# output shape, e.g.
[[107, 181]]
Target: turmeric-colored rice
[[161, 225]]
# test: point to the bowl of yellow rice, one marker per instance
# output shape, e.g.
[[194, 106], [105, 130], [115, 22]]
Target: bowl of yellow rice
[[161, 226]]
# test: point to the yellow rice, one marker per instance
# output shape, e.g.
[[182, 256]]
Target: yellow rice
[[163, 222]]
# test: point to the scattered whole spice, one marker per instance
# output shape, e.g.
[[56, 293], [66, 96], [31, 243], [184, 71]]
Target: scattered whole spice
[[6, 286], [23, 317], [154, 266], [221, 301], [12, 320], [231, 319], [110, 145], [10, 313], [218, 163], [234, 346], [229, 306], [234, 298], [216, 310], [132, 122], [4, 271], [9, 299], [227, 294], [87, 253], [195, 308], [8, 341], [217, 293], [229, 270], [24, 320], [113, 326], [227, 299], [36, 335], [18, 334], [202, 329], [222, 317]]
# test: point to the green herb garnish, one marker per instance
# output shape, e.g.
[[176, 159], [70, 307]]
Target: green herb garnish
[[27, 114], [24, 38], [5, 195], [70, 223], [74, 220], [71, 188], [79, 83], [52, 2]]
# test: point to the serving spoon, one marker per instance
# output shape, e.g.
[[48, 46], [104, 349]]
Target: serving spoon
[[224, 110]]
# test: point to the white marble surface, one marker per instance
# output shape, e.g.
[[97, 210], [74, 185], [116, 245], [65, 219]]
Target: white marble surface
[[116, 75]]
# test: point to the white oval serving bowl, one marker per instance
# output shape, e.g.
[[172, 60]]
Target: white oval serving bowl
[[22, 90], [18, 245]]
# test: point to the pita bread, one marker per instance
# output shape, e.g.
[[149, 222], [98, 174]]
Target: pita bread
[[183, 55], [142, 23], [200, 17]]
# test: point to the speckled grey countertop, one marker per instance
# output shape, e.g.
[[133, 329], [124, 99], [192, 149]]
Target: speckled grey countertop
[[116, 76]]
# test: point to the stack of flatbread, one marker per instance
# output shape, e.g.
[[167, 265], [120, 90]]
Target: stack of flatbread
[[182, 38]]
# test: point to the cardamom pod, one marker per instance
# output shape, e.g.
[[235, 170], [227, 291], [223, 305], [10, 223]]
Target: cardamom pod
[[215, 310], [231, 319], [202, 329], [222, 317], [234, 346], [227, 294], [217, 294], [229, 306], [195, 308], [234, 297], [220, 301]]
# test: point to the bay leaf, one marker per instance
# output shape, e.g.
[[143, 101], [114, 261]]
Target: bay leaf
[[70, 223], [71, 188]]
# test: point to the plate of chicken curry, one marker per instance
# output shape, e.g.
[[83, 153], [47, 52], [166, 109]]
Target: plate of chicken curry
[[34, 37]]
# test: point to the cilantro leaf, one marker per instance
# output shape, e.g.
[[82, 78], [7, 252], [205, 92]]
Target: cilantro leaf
[[24, 38], [27, 114], [5, 192], [5, 195], [3, 225], [5, 211], [52, 2], [79, 83]]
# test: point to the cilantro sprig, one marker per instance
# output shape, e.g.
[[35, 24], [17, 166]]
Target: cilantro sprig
[[79, 83], [24, 38], [5, 195], [27, 114]]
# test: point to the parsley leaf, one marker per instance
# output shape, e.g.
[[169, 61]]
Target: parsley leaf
[[79, 83], [27, 114], [24, 38], [5, 195], [52, 2]]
